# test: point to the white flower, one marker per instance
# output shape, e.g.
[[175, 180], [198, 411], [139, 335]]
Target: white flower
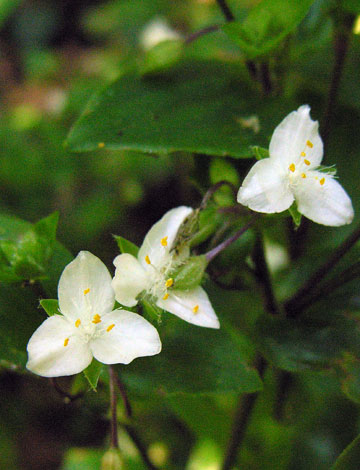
[[296, 151], [88, 327], [157, 31], [152, 269]]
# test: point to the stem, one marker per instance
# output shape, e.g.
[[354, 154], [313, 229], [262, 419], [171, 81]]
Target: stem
[[230, 17], [328, 288], [210, 255], [125, 399], [226, 10], [263, 276], [113, 403], [68, 398], [140, 446], [246, 405], [210, 192], [293, 305], [283, 386], [241, 419], [202, 32], [265, 77], [342, 34]]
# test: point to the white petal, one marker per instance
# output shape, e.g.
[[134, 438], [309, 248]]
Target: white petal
[[48, 355], [290, 139], [192, 306], [265, 188], [85, 287], [167, 226], [129, 280], [131, 336], [326, 204]]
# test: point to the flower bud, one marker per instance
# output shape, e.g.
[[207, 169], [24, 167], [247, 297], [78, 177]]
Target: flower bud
[[112, 460]]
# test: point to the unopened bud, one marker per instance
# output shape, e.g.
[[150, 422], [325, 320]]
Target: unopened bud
[[112, 460]]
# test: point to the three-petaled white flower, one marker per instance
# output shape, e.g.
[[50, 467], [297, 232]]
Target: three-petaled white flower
[[88, 327], [152, 272], [291, 173]]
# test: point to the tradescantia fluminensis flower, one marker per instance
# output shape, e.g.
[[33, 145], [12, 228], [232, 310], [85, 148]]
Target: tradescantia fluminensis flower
[[88, 326], [152, 273], [292, 173]]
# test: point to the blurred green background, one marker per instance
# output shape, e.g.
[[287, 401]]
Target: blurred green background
[[53, 56]]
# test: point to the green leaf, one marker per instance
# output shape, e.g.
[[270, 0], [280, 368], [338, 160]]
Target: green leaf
[[295, 214], [190, 275], [12, 233], [51, 306], [6, 9], [295, 345], [93, 372], [151, 311], [260, 152], [162, 57], [125, 246], [30, 253], [349, 459], [208, 221], [192, 360], [353, 6], [199, 108], [267, 24]]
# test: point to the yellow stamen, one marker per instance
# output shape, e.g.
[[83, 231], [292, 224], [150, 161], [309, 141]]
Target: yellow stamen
[[96, 319], [303, 154], [195, 309], [110, 327], [66, 342], [169, 282], [77, 323], [303, 175], [309, 144], [164, 241], [101, 145], [147, 259], [166, 296], [86, 291], [292, 167], [306, 162], [322, 181]]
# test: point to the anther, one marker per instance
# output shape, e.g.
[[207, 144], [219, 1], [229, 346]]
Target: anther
[[86, 291], [110, 327], [147, 259], [303, 154], [306, 162], [322, 181], [66, 342], [164, 241], [169, 282], [77, 323], [309, 144], [292, 167], [101, 145], [96, 319], [303, 175], [195, 309], [166, 296]]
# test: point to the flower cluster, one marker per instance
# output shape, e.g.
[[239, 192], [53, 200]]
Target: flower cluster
[[88, 326]]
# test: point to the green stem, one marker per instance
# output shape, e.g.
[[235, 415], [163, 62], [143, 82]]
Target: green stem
[[293, 306], [342, 35], [113, 405]]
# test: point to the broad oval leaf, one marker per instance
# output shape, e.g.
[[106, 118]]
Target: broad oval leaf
[[198, 107]]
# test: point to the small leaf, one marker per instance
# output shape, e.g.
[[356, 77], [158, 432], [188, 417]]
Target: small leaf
[[151, 311], [93, 372], [208, 221], [349, 459], [295, 214], [51, 306], [267, 24], [260, 152], [190, 275], [125, 246]]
